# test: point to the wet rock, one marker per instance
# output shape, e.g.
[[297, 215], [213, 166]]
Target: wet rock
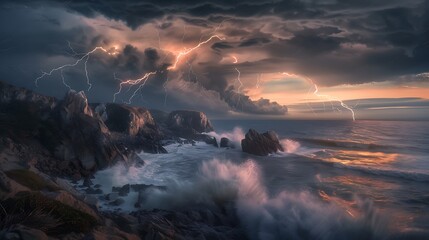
[[261, 144], [211, 141], [225, 142]]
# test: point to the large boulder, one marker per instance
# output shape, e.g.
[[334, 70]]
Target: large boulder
[[131, 127], [261, 144], [194, 121], [225, 142], [189, 124], [129, 120]]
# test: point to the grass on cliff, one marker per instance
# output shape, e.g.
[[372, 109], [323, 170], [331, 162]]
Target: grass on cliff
[[31, 180], [34, 210]]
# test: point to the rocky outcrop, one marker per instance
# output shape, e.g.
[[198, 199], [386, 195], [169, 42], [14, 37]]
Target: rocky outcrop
[[133, 127], [88, 136], [187, 122], [261, 144], [129, 120], [225, 142]]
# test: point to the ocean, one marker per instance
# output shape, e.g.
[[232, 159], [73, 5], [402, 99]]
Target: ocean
[[336, 179]]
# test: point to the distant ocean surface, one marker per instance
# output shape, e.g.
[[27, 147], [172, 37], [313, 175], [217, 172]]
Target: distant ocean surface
[[336, 180]]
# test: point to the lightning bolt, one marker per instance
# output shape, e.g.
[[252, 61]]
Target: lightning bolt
[[316, 93], [64, 80], [141, 82], [235, 59], [187, 51], [239, 80], [84, 58]]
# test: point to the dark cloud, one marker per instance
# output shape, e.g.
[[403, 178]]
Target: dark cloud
[[220, 45], [333, 42], [253, 42], [243, 103]]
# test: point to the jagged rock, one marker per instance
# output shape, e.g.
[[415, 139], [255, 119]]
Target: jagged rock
[[88, 134], [225, 142], [130, 120], [211, 141], [261, 144], [186, 123]]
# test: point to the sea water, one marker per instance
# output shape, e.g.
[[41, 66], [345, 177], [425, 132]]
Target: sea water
[[335, 180]]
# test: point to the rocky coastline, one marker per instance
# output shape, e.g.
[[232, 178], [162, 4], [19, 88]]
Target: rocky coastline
[[47, 144]]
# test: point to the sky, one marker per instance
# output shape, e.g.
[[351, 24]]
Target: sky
[[293, 59]]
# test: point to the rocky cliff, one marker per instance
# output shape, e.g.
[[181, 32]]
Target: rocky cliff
[[83, 137], [43, 139]]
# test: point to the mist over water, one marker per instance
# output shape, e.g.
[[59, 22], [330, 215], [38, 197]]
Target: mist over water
[[336, 180]]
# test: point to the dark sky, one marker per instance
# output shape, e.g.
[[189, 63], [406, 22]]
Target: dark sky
[[271, 56]]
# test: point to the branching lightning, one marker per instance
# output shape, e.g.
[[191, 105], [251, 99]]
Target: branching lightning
[[84, 58], [239, 80], [187, 51], [64, 80], [316, 93], [133, 82], [141, 82]]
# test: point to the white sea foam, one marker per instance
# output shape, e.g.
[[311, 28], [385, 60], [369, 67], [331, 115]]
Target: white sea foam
[[299, 215], [290, 146], [235, 136]]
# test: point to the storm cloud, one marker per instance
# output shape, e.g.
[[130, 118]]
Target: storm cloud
[[333, 42]]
